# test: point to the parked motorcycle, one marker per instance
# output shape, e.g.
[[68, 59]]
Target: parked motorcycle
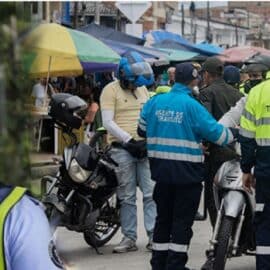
[[233, 232], [82, 196]]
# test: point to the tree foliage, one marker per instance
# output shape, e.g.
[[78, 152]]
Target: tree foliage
[[14, 84]]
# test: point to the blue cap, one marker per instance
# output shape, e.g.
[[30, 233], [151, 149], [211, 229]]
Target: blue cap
[[185, 73], [231, 74]]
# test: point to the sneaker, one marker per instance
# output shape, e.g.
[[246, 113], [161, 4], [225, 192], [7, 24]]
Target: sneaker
[[125, 245], [149, 245]]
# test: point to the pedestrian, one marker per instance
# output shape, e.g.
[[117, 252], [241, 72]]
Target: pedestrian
[[255, 148], [232, 76], [121, 102], [174, 125], [232, 117], [171, 76]]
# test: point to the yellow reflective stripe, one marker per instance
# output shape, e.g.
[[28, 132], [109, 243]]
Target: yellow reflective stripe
[[14, 196], [176, 156]]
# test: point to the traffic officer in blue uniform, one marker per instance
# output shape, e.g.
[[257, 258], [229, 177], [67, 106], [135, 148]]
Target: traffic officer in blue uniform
[[26, 241], [174, 125], [255, 149]]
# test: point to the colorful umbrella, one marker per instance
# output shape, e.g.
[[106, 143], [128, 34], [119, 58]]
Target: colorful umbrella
[[178, 55], [59, 51], [242, 53]]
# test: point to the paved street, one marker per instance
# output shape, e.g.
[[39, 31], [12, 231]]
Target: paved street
[[78, 255]]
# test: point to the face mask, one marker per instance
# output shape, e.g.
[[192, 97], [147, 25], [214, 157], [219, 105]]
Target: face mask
[[250, 84], [255, 82]]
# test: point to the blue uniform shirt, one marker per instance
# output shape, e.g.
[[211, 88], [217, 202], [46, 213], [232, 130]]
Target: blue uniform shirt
[[27, 238], [174, 125]]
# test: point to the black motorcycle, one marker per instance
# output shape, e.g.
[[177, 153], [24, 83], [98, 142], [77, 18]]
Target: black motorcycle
[[82, 196]]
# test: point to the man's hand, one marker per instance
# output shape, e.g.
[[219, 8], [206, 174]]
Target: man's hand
[[136, 148], [205, 149], [248, 181]]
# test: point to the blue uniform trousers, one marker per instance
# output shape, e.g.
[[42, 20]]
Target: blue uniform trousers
[[262, 223], [176, 210]]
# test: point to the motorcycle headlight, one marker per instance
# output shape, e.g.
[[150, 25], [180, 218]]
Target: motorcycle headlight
[[77, 173]]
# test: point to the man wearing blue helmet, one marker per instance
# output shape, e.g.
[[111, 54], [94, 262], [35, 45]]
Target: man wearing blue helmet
[[121, 102]]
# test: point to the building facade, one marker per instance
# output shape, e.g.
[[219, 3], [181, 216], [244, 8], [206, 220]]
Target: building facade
[[195, 30]]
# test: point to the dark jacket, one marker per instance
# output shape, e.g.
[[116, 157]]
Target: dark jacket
[[219, 97]]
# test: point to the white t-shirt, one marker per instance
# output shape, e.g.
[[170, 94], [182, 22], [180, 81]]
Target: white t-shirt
[[38, 93]]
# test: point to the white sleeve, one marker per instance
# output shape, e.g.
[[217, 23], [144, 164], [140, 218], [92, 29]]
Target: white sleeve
[[112, 127], [232, 117]]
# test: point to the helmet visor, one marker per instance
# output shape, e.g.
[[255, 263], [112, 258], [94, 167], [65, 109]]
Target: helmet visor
[[141, 68]]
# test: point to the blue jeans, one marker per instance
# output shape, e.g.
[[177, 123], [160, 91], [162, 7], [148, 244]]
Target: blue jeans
[[130, 173]]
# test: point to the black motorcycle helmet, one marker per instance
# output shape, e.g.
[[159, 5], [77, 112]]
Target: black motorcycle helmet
[[66, 109], [259, 62]]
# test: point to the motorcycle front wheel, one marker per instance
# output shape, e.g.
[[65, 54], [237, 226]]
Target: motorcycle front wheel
[[222, 248], [106, 226]]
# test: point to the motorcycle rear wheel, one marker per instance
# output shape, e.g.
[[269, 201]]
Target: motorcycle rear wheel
[[222, 248]]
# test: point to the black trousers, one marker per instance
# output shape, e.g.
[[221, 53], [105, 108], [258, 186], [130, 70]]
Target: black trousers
[[262, 223], [176, 210]]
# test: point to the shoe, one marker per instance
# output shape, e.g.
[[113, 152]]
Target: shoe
[[149, 245], [125, 245]]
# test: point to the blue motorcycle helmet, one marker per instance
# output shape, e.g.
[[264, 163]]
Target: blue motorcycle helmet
[[134, 69]]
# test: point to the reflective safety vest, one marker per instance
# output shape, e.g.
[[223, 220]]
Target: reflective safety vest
[[6, 204], [163, 89], [242, 88], [255, 120]]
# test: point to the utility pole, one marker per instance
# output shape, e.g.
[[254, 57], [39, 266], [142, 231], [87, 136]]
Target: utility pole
[[97, 12], [208, 38], [118, 20], [192, 21], [183, 20], [75, 14], [236, 34]]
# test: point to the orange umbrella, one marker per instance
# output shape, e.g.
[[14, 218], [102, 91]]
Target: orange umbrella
[[241, 53]]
